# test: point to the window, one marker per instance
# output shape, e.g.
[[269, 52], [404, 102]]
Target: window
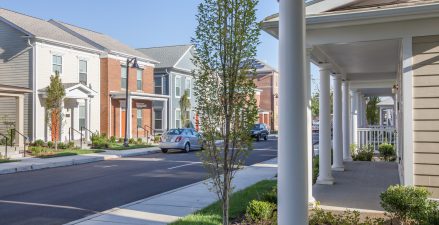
[[139, 79], [158, 85], [139, 118], [82, 115], [177, 86], [57, 64], [177, 118], [83, 72], [188, 118], [188, 86], [123, 82], [158, 119]]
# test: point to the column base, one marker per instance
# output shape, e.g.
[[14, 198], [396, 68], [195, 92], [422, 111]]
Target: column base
[[325, 181], [348, 159], [337, 168]]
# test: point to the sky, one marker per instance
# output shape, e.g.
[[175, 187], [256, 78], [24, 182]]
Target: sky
[[140, 23]]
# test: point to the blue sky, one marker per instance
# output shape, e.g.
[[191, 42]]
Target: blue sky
[[139, 23]]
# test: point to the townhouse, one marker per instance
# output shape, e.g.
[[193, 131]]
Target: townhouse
[[172, 77], [93, 69]]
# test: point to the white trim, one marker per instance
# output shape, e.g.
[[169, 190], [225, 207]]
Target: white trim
[[178, 61], [407, 87], [186, 80], [175, 119], [175, 86]]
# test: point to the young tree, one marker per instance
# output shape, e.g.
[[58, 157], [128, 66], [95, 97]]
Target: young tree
[[372, 111], [185, 106], [226, 39], [55, 96]]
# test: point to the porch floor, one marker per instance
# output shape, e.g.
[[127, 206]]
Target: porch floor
[[359, 186]]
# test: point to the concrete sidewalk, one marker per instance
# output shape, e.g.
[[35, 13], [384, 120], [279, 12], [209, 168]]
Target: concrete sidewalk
[[29, 164], [170, 206]]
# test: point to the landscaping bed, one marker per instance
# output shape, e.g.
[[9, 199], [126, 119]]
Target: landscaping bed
[[102, 142], [8, 160], [49, 152]]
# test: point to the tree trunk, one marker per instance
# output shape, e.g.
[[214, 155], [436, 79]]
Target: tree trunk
[[226, 198]]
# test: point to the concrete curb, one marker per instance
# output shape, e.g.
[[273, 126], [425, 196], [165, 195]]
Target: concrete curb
[[24, 166]]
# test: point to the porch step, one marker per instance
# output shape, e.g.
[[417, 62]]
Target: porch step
[[13, 152]]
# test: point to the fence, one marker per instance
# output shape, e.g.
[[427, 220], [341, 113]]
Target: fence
[[375, 136]]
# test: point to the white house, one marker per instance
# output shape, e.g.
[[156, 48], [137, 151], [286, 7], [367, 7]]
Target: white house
[[32, 50]]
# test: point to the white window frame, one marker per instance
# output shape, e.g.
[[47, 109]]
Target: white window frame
[[178, 95], [86, 71], [141, 117], [177, 118], [160, 77], [155, 118], [123, 87], [53, 63], [188, 82], [141, 79]]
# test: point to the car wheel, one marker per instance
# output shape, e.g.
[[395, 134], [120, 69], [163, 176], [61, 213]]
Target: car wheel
[[258, 137], [187, 147], [164, 150], [265, 137]]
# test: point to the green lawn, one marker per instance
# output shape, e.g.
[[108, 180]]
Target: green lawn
[[211, 215], [8, 160], [51, 153], [119, 146]]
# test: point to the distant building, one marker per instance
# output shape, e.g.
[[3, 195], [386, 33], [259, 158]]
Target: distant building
[[172, 77]]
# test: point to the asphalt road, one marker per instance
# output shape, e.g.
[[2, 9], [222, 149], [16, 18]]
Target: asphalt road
[[61, 195]]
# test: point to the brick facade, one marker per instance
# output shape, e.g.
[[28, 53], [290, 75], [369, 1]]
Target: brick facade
[[111, 115], [268, 101]]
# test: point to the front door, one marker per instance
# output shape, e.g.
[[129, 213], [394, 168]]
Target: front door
[[122, 122]]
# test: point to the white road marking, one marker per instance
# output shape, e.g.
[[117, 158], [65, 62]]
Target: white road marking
[[106, 166], [264, 149], [188, 164]]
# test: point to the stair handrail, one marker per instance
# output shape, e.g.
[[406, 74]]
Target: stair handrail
[[72, 134], [6, 144], [25, 140], [91, 132], [145, 132]]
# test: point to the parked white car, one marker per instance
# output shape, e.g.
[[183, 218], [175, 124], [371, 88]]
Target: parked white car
[[185, 139]]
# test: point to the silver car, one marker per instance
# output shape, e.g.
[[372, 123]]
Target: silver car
[[185, 139]]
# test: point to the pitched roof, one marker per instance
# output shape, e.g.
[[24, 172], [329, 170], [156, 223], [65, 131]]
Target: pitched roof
[[262, 67], [168, 56], [41, 29], [104, 41], [375, 4]]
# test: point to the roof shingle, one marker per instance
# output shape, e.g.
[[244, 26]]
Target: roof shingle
[[168, 56]]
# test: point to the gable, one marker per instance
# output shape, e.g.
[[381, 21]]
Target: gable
[[186, 62]]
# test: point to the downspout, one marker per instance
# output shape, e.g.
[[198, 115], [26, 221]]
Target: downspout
[[170, 100]]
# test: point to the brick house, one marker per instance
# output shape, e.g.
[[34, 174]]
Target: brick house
[[267, 88]]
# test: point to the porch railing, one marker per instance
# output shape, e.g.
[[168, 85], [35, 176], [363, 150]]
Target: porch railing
[[375, 136]]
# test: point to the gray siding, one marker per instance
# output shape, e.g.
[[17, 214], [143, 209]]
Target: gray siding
[[15, 70], [186, 62]]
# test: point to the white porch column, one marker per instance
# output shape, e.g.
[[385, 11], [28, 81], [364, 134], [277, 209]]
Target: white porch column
[[129, 111], [165, 115], [292, 145], [337, 143], [311, 199], [346, 122], [364, 111], [325, 173], [19, 122], [360, 110], [354, 112]]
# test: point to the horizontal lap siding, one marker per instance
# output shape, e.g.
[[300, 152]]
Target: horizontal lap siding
[[16, 70], [426, 112]]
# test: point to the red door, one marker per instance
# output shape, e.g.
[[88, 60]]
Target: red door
[[123, 124]]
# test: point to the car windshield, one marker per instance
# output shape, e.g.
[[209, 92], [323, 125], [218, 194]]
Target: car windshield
[[174, 132], [257, 127]]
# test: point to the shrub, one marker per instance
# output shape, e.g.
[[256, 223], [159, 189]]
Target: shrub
[[315, 169], [39, 143], [120, 140], [320, 217], [70, 145], [37, 150], [365, 153], [131, 141], [157, 138], [112, 139], [409, 204], [387, 152], [139, 141], [62, 145], [99, 141], [50, 144], [260, 211], [271, 196]]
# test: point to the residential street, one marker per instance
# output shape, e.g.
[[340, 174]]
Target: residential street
[[61, 195]]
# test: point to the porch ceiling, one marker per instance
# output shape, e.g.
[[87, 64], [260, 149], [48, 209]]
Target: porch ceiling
[[372, 60]]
